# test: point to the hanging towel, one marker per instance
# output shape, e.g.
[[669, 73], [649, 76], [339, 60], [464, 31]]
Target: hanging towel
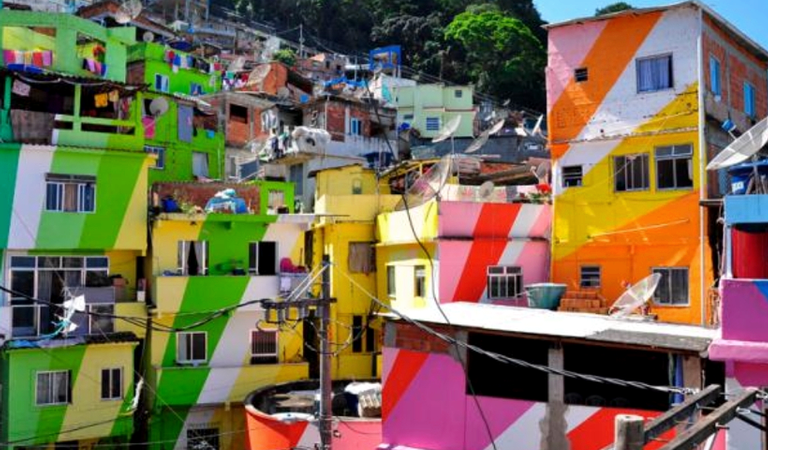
[[113, 96], [21, 88], [38, 59], [101, 100], [47, 58], [149, 127]]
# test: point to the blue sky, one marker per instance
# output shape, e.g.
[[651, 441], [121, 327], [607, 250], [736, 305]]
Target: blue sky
[[749, 16]]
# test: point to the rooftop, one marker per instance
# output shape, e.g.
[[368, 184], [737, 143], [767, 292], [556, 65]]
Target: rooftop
[[568, 325], [737, 34]]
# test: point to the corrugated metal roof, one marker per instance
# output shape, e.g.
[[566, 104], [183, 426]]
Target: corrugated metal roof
[[567, 325]]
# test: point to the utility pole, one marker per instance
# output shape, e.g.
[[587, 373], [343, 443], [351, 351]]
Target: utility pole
[[301, 41], [325, 383], [323, 306]]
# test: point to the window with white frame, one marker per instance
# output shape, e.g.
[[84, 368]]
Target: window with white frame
[[654, 73], [162, 83], [590, 277], [356, 126], [674, 167], [263, 346], [391, 287], [673, 289], [504, 281], [70, 193], [158, 151], [432, 124], [632, 172], [749, 99], [111, 384], [572, 176], [202, 439], [191, 347], [101, 320], [419, 281], [715, 74], [53, 388], [193, 257]]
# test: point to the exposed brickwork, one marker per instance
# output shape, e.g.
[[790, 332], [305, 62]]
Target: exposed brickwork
[[198, 194], [585, 300], [409, 337]]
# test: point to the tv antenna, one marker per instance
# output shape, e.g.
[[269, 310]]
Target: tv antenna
[[635, 296]]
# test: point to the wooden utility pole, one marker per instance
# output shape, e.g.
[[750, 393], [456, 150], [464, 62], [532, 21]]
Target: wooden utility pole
[[628, 432]]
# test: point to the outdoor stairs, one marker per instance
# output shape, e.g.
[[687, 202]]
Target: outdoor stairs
[[583, 300]]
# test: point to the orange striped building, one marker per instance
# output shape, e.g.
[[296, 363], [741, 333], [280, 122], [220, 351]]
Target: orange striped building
[[625, 93]]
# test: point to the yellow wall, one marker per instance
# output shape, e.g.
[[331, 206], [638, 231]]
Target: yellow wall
[[404, 257], [393, 227]]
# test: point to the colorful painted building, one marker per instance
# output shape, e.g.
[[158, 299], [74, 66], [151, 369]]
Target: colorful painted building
[[486, 402], [182, 131], [478, 247], [743, 345], [429, 107], [630, 135], [73, 221], [201, 263]]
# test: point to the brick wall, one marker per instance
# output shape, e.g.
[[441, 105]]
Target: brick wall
[[199, 194], [409, 337]]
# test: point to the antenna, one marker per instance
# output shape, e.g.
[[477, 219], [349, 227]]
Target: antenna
[[486, 190], [743, 147], [481, 140], [635, 297], [127, 11], [159, 107]]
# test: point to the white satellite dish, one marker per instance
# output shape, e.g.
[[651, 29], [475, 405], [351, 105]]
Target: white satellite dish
[[428, 185], [537, 129], [158, 107], [542, 172], [237, 65], [148, 36], [481, 140], [128, 11], [635, 297], [486, 190], [448, 130], [743, 147]]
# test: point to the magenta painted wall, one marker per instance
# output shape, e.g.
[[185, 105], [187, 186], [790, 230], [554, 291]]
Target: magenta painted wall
[[744, 310]]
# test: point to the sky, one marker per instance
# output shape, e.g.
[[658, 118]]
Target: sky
[[749, 16]]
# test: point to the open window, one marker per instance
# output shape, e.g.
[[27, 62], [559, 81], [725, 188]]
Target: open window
[[263, 258], [193, 257], [492, 378]]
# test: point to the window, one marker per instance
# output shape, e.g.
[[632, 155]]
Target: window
[[200, 164], [111, 388], [356, 187], [654, 73], [361, 257], [572, 176], [158, 151], [590, 276], [193, 257], [749, 100], [432, 124], [408, 117], [673, 289], [355, 127], [202, 439], [239, 114], [70, 193], [357, 332], [504, 281], [296, 177], [631, 173], [191, 347], [674, 167], [101, 320], [581, 75], [53, 388], [196, 89], [276, 200], [459, 93], [391, 288], [716, 76], [263, 258], [162, 83], [419, 281], [263, 346]]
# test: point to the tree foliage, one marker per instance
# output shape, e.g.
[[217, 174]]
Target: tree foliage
[[612, 8], [286, 56]]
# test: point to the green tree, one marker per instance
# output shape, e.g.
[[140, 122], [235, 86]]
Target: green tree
[[502, 56], [612, 8], [286, 56]]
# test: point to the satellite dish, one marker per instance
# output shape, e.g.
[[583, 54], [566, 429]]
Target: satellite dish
[[481, 140], [538, 127], [159, 107], [542, 172], [148, 36], [507, 102], [635, 297], [486, 190], [742, 148], [449, 130], [428, 185], [237, 65], [128, 11]]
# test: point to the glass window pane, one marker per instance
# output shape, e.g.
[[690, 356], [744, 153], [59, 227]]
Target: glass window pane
[[199, 346], [683, 173], [680, 286], [42, 388], [97, 262], [73, 262], [183, 346], [665, 170], [49, 262], [22, 281], [87, 197], [23, 261]]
